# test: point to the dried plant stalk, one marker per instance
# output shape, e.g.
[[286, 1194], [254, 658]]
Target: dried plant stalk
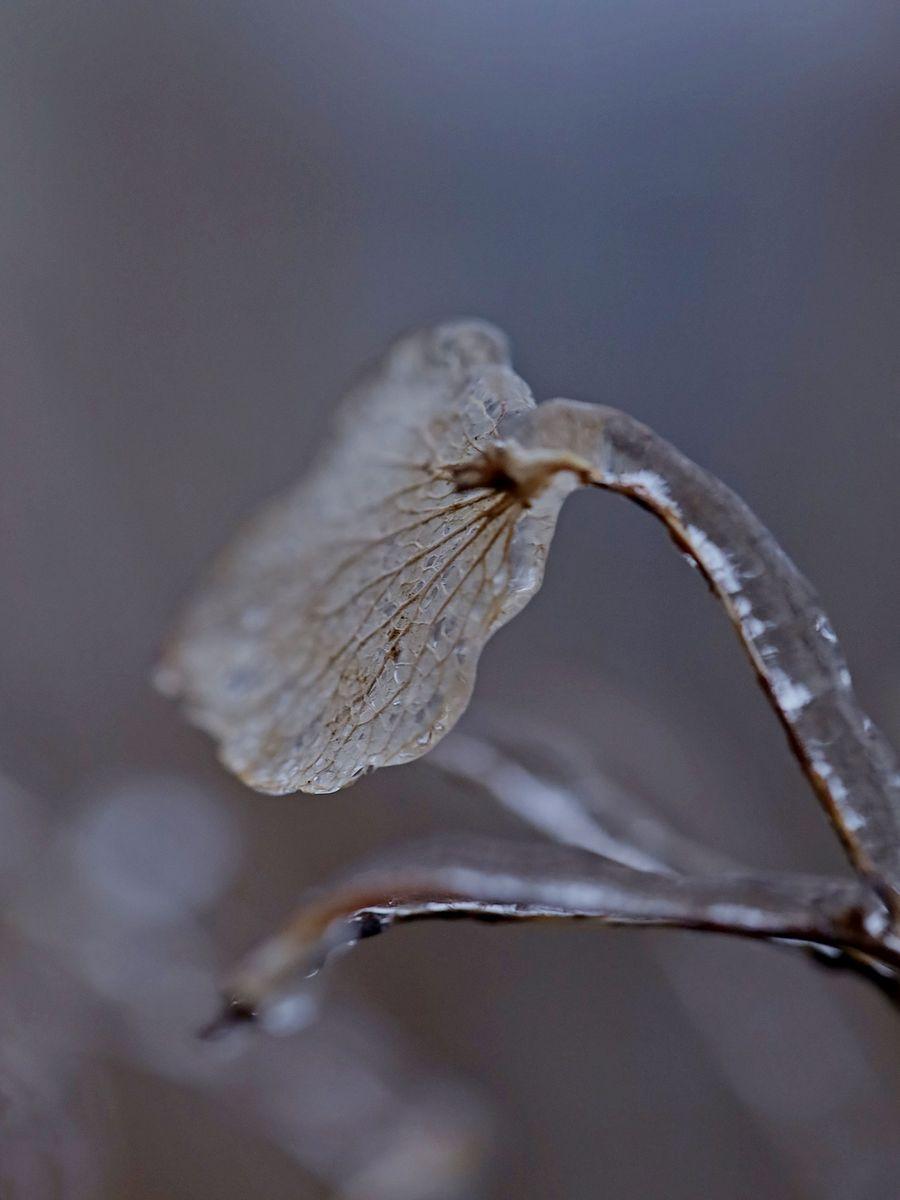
[[626, 831], [776, 612], [493, 880], [629, 832], [343, 629]]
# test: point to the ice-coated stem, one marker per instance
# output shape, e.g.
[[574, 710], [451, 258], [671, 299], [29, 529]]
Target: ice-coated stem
[[619, 831], [505, 881], [774, 609], [559, 812]]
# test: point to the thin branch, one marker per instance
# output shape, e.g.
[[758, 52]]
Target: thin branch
[[508, 881], [775, 611], [322, 704], [560, 812]]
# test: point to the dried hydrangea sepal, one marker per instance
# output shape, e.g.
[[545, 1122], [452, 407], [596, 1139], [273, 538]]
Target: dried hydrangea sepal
[[342, 630]]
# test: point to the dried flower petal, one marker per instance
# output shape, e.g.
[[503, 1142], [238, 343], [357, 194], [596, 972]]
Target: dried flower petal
[[342, 630]]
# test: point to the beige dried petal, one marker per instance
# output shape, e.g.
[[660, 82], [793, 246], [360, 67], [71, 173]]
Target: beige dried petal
[[342, 629]]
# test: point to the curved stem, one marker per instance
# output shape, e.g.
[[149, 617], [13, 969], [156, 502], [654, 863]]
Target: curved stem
[[559, 812], [775, 611], [503, 881]]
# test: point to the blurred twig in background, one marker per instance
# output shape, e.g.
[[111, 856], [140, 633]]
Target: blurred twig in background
[[108, 965]]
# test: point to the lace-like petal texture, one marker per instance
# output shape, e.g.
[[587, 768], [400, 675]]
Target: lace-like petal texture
[[342, 629]]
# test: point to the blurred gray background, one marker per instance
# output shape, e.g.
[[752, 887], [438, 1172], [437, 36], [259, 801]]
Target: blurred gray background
[[211, 215]]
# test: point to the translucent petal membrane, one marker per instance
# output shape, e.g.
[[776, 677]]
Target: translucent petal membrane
[[342, 629]]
